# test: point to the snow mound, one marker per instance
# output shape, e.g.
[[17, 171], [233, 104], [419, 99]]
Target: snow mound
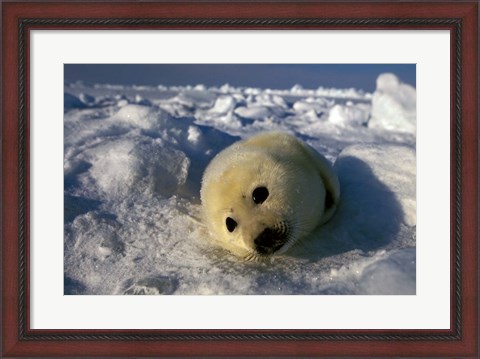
[[386, 172], [124, 166], [393, 105], [141, 116], [394, 274]]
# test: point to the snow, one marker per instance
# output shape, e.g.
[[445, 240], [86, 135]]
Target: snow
[[133, 161]]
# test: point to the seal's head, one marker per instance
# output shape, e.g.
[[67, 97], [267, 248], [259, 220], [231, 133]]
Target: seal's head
[[258, 202]]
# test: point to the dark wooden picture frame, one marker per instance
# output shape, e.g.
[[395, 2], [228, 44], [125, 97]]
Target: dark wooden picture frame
[[460, 18]]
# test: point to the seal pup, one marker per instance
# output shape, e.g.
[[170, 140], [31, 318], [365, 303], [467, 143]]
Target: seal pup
[[261, 195]]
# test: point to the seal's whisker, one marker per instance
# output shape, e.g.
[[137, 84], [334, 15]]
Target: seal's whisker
[[249, 257]]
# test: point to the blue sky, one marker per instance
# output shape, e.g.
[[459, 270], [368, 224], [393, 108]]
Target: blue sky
[[277, 76]]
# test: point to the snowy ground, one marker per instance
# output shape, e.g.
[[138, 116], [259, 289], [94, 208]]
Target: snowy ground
[[133, 161]]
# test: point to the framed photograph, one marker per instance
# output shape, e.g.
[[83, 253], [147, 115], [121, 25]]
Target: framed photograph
[[240, 179]]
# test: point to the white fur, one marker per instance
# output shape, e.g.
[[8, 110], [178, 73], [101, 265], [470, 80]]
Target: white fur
[[297, 177]]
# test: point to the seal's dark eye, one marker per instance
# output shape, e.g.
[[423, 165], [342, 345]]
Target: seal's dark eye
[[260, 194], [231, 224]]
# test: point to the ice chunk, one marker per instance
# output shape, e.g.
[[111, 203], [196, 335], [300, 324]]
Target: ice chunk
[[269, 100], [253, 113], [200, 87], [194, 135], [71, 102], [349, 114], [87, 99], [199, 97], [394, 105], [303, 106], [223, 105], [297, 89], [142, 101]]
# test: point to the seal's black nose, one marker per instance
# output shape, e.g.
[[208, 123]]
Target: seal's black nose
[[269, 241], [231, 224]]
